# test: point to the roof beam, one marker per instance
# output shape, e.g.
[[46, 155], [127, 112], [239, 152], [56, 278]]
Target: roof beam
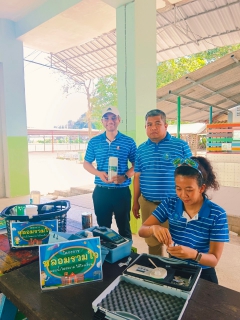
[[117, 3], [212, 92], [199, 101], [206, 39], [189, 104], [88, 52], [235, 64], [189, 17]]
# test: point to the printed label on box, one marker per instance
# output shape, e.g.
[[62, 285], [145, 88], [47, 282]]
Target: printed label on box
[[236, 135], [226, 146], [69, 263], [31, 234]]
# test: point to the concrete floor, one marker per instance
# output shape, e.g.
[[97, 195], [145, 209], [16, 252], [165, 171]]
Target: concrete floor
[[48, 174]]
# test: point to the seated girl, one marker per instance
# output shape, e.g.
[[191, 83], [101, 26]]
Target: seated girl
[[198, 227]]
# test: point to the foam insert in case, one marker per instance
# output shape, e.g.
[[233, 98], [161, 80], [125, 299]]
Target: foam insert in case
[[137, 294]]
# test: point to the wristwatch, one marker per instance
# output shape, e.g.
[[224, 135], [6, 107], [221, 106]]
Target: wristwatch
[[198, 256], [126, 177]]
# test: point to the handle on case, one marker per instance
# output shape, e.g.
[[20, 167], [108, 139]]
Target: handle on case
[[127, 315], [99, 315], [4, 214]]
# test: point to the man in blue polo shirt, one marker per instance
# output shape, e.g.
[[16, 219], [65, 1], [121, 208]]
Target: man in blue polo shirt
[[154, 170], [112, 194]]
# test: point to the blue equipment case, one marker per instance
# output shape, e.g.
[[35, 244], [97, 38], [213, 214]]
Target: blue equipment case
[[115, 252], [119, 252]]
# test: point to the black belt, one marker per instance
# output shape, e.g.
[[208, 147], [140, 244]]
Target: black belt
[[155, 202], [98, 185]]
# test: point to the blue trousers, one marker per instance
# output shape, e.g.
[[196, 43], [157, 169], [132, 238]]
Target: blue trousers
[[209, 274], [107, 201]]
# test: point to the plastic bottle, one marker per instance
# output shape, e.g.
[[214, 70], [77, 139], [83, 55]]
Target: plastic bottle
[[112, 167], [35, 197]]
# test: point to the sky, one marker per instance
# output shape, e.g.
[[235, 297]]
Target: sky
[[47, 106]]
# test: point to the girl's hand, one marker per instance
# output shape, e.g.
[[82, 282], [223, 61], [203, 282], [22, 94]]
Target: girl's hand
[[182, 252], [161, 234]]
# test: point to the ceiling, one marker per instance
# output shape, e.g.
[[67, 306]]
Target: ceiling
[[15, 9], [75, 25], [189, 27], [81, 37], [216, 85]]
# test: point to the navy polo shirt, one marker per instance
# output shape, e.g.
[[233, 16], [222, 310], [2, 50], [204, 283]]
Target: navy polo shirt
[[211, 225], [100, 149], [154, 161]]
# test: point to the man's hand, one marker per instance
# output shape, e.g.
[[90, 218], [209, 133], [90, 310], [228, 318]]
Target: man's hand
[[135, 210], [118, 179], [103, 176], [182, 252]]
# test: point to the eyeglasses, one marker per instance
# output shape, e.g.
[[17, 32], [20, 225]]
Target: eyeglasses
[[114, 118], [189, 162]]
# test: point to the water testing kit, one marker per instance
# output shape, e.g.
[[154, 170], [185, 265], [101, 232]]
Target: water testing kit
[[145, 291], [114, 247], [118, 247]]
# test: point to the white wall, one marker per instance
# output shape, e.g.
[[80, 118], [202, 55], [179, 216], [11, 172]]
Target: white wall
[[39, 147], [227, 168], [236, 114], [2, 181]]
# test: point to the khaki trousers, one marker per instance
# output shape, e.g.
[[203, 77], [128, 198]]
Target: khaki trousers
[[147, 207]]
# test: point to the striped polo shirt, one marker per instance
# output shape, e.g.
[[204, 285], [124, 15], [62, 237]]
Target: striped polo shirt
[[210, 224], [155, 163], [100, 149]]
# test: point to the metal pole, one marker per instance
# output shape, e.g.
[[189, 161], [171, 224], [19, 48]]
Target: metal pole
[[210, 115], [178, 116], [52, 142]]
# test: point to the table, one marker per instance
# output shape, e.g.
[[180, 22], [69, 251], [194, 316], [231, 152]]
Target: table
[[209, 301]]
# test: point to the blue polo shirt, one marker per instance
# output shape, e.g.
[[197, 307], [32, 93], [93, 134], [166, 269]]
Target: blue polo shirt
[[100, 149], [209, 225], [155, 163]]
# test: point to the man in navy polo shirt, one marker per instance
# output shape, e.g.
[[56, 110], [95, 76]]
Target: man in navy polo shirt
[[154, 170], [112, 195]]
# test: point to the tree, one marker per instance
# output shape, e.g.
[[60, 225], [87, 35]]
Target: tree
[[171, 70], [167, 71], [87, 87], [105, 94], [81, 123]]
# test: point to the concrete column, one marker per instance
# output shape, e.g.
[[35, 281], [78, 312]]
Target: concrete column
[[136, 65], [136, 68], [14, 172]]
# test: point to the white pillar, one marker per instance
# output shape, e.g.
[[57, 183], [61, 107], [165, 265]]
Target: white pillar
[[14, 173], [136, 64], [136, 68]]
